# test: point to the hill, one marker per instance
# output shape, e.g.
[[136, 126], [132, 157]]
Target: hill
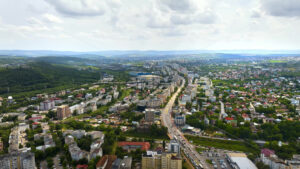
[[40, 75]]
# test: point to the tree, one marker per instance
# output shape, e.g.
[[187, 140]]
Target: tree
[[85, 142], [261, 165], [49, 162]]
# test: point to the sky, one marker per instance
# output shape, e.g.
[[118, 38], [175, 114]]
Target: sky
[[95, 25]]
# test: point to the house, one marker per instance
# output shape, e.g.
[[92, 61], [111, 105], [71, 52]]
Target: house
[[84, 166], [122, 163], [269, 158], [134, 145], [36, 119], [246, 117], [47, 105], [230, 120], [106, 162], [267, 153]]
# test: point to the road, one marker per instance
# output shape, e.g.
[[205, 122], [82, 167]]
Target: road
[[174, 133]]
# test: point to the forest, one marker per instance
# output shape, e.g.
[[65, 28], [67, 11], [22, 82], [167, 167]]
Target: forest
[[41, 75]]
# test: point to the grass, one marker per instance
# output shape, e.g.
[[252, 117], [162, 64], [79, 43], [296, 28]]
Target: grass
[[200, 149], [114, 148], [277, 61], [222, 144], [209, 161]]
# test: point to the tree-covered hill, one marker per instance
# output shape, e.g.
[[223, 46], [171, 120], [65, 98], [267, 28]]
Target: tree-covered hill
[[41, 75]]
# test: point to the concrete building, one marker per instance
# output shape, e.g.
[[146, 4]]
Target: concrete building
[[134, 145], [79, 108], [126, 163], [106, 162], [154, 160], [240, 161], [149, 115], [171, 161], [174, 146], [63, 112], [17, 161], [47, 105], [179, 120], [268, 157]]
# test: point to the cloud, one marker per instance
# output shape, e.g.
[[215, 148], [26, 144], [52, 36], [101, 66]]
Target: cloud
[[157, 19], [255, 14], [180, 5], [186, 12], [51, 18], [79, 8], [201, 18], [34, 21], [283, 8]]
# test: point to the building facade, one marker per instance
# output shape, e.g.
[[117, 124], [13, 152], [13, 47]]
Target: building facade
[[17, 161], [149, 115], [63, 112]]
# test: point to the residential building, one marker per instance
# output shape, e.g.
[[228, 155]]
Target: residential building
[[47, 105], [134, 145], [63, 112], [174, 146], [268, 157], [152, 160], [124, 163], [155, 160], [17, 161], [106, 162], [179, 119], [294, 163], [171, 161], [149, 115]]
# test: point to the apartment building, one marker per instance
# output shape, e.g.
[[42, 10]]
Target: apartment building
[[63, 112], [166, 160], [17, 161]]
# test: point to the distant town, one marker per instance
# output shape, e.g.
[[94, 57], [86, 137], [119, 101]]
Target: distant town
[[231, 113]]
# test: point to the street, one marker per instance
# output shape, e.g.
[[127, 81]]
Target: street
[[174, 133]]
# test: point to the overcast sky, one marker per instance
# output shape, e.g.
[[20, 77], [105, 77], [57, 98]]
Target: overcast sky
[[89, 25]]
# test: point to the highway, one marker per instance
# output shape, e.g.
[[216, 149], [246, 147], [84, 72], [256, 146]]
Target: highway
[[174, 133]]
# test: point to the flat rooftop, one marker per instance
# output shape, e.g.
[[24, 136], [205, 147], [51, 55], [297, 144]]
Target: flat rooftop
[[241, 160]]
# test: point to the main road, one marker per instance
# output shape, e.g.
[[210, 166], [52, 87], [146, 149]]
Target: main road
[[174, 133]]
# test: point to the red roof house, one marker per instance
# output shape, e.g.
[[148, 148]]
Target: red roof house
[[82, 166], [267, 152], [134, 145]]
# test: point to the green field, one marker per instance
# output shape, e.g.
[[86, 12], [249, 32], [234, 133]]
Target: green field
[[223, 144], [277, 61], [145, 135]]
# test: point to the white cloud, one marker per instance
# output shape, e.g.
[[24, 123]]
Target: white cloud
[[148, 24], [255, 14], [51, 18], [77, 8]]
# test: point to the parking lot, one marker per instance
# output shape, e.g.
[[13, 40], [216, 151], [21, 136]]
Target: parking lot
[[217, 158]]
